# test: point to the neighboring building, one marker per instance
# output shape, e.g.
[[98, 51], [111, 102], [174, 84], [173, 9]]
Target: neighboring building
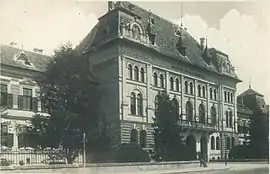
[[19, 91], [244, 115], [134, 54], [249, 103]]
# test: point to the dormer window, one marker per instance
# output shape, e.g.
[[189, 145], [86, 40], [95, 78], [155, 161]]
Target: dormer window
[[22, 57]]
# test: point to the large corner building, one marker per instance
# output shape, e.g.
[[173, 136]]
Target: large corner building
[[134, 54]]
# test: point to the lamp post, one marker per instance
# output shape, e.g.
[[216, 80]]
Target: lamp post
[[84, 154]]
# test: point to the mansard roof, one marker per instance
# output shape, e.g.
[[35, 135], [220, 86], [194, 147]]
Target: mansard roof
[[16, 57], [166, 37], [250, 92]]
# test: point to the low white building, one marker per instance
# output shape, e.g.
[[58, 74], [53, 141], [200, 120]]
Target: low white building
[[19, 91]]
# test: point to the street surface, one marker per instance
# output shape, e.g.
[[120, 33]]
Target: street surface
[[213, 168]]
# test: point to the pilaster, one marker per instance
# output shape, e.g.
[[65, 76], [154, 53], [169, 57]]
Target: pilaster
[[207, 103], [196, 115], [149, 96], [167, 81], [182, 95]]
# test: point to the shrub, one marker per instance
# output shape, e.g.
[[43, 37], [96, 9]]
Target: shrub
[[4, 162], [131, 152], [239, 152]]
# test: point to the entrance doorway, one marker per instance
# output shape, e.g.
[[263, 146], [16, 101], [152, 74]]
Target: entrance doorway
[[191, 142], [204, 149]]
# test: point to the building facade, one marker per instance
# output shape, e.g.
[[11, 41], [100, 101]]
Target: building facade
[[19, 92], [135, 54]]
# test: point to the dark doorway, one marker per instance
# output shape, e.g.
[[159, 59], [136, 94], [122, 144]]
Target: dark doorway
[[191, 142], [204, 149]]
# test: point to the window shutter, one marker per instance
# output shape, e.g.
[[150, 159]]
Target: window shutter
[[34, 104], [20, 102], [10, 100]]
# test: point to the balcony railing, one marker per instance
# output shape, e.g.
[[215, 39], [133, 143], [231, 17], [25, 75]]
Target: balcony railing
[[197, 125]]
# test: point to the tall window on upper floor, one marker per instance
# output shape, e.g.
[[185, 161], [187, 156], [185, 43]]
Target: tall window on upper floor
[[171, 83], [191, 87], [228, 143], [228, 97], [230, 118], [203, 90], [199, 90], [218, 143], [130, 71], [161, 80], [202, 113], [189, 111], [175, 103], [27, 99], [215, 94], [186, 87], [3, 95], [233, 142], [136, 73], [142, 75], [177, 84], [231, 97], [133, 103], [227, 118], [156, 102], [139, 104], [211, 93], [213, 115], [155, 79], [225, 96]]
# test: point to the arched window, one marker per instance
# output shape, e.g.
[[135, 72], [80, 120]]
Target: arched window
[[228, 97], [231, 118], [191, 87], [213, 143], [177, 84], [136, 72], [228, 143], [225, 96], [213, 115], [233, 142], [176, 105], [231, 97], [218, 143], [129, 71], [211, 93], [201, 113], [203, 91], [139, 104], [142, 75], [227, 118], [143, 138], [133, 103], [199, 90], [186, 87], [156, 101], [155, 79], [134, 136], [161, 80], [171, 83], [215, 94], [189, 111], [136, 32]]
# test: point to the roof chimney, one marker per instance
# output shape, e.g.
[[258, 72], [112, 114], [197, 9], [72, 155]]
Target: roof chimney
[[110, 5], [14, 44], [202, 43], [37, 50]]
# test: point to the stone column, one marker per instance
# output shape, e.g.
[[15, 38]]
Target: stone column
[[15, 137], [182, 95], [198, 148], [124, 96], [167, 81], [149, 96], [195, 102], [208, 149]]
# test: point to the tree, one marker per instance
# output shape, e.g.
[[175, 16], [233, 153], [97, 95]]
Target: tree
[[169, 143], [259, 132], [71, 97]]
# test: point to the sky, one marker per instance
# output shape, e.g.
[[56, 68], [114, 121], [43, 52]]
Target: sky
[[239, 28]]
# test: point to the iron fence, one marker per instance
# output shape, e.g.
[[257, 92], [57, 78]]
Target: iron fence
[[33, 157]]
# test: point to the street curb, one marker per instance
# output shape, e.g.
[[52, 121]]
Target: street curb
[[199, 171]]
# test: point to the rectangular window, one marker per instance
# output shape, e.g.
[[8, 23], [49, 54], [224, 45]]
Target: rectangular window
[[3, 95], [27, 99]]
